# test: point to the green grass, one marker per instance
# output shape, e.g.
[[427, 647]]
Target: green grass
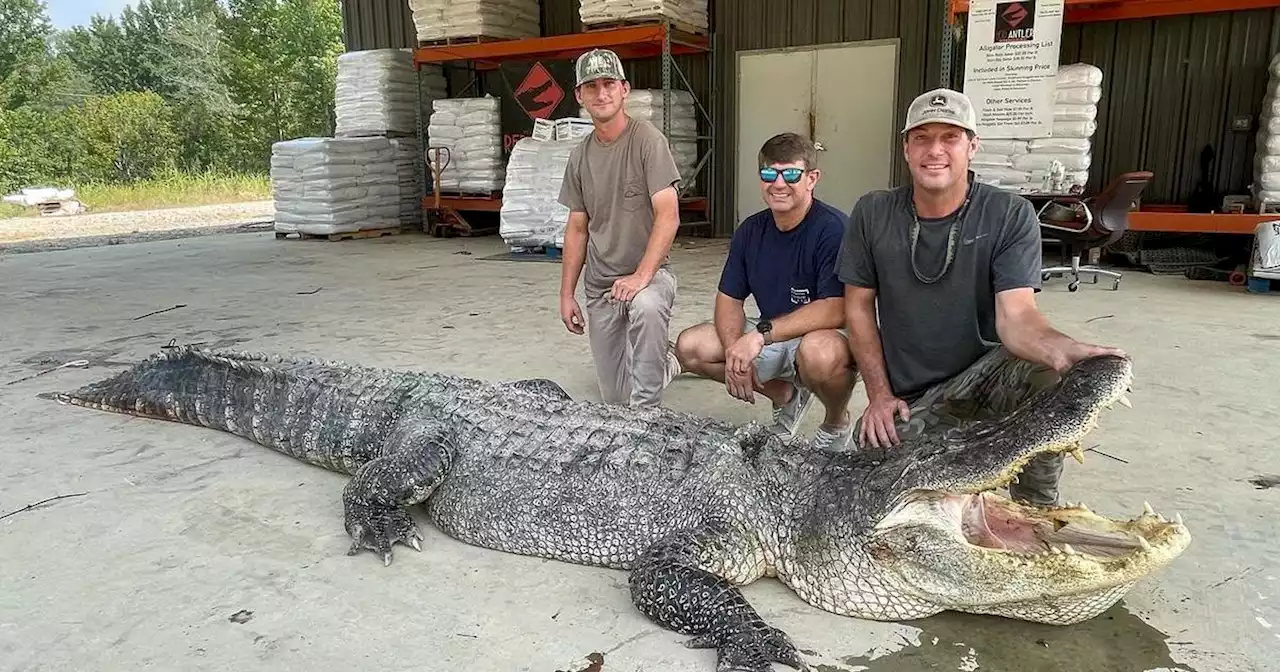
[[172, 191]]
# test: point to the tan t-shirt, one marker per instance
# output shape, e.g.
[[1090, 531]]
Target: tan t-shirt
[[614, 183]]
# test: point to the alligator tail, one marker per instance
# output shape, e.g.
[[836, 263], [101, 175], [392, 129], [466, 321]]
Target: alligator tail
[[326, 414]]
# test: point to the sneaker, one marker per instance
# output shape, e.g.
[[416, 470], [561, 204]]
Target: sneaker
[[787, 418], [827, 437], [673, 364]]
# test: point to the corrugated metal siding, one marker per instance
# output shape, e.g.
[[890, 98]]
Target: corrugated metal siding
[[1172, 86], [377, 24], [766, 24]]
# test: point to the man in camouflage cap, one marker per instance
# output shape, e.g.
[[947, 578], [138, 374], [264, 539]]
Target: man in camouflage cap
[[620, 188]]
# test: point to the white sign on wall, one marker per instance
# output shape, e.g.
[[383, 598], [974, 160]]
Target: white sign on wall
[[1011, 65]]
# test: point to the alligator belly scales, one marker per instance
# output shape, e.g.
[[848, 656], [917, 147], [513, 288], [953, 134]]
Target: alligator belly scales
[[692, 508]]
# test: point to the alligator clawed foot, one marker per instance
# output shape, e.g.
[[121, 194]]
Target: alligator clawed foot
[[750, 648], [378, 529]]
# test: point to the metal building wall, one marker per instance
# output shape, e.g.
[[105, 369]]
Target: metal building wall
[[765, 24], [377, 24], [1172, 86]]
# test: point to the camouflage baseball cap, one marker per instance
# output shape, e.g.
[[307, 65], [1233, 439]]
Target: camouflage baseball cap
[[599, 64], [942, 106]]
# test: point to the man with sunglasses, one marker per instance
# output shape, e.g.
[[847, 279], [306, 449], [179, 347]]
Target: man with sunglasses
[[784, 256], [941, 279], [620, 188]]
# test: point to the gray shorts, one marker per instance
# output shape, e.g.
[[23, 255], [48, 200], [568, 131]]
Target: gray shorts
[[777, 361]]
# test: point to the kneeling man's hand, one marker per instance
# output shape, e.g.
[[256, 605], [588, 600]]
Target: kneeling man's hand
[[740, 366], [878, 423], [626, 288]]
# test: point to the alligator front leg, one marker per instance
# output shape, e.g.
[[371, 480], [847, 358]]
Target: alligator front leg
[[686, 583], [378, 497]]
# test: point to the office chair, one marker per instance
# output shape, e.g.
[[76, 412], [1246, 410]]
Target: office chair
[[1092, 223]]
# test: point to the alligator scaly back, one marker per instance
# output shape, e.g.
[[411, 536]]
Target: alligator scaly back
[[326, 414]]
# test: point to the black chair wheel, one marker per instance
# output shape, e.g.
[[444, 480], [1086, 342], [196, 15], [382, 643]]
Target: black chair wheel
[[1075, 284]]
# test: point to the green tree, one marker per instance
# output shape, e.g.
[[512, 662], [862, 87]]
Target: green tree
[[128, 136]]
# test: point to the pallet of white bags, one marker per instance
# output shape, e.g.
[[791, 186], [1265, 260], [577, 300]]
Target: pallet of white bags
[[343, 235]]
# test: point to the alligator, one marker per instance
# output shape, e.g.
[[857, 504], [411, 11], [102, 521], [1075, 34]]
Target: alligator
[[692, 507]]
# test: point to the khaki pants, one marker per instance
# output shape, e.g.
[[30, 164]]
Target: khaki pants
[[992, 387], [629, 342]]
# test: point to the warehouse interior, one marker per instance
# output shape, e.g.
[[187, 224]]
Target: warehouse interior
[[146, 543]]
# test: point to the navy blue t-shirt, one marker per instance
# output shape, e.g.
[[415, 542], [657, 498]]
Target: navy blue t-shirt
[[785, 270]]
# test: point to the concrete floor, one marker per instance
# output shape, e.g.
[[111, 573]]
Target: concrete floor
[[184, 533]]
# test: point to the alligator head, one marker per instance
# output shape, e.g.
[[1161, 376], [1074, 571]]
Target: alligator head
[[940, 538]]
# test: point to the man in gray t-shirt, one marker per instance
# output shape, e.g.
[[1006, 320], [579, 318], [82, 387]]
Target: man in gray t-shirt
[[941, 277], [620, 188]]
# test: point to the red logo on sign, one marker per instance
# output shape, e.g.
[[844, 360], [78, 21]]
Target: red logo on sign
[[539, 94], [1015, 14]]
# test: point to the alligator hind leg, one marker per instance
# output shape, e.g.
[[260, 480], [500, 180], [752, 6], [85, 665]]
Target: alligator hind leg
[[676, 586], [377, 499]]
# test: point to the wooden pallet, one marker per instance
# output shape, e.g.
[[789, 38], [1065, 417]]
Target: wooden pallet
[[359, 133], [462, 39], [680, 26], [345, 235], [490, 195]]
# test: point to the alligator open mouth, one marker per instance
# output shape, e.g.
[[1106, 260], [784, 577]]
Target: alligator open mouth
[[991, 522]]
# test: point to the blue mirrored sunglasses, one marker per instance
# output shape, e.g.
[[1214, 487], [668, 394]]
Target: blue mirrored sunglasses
[[789, 175]]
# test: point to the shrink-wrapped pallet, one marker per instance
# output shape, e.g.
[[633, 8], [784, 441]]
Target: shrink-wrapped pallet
[[1061, 162], [450, 19], [471, 130], [1266, 158], [648, 104], [334, 185], [687, 15], [375, 93], [531, 213]]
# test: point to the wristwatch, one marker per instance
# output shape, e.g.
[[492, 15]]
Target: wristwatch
[[765, 327]]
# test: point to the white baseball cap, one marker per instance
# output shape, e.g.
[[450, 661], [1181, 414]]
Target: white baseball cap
[[942, 106]]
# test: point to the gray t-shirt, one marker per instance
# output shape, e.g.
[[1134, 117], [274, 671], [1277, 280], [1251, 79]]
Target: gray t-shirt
[[614, 184], [931, 332]]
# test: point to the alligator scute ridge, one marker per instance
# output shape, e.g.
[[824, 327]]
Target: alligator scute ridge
[[692, 507]]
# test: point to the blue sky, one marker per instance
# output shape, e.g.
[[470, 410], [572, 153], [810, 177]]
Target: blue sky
[[67, 13]]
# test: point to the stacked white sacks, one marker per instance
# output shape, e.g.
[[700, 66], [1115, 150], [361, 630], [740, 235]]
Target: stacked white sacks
[[505, 19], [334, 185], [471, 129]]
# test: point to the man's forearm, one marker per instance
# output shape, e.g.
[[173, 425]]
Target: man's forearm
[[864, 345], [820, 314], [574, 255], [1032, 338], [729, 319]]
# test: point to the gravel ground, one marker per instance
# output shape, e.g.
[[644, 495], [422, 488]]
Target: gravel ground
[[93, 229]]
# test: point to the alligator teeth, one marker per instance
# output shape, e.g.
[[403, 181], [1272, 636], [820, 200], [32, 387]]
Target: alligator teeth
[[1055, 550], [1142, 541], [1147, 510], [1161, 518], [1177, 517], [1066, 548], [1124, 401], [1078, 454]]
